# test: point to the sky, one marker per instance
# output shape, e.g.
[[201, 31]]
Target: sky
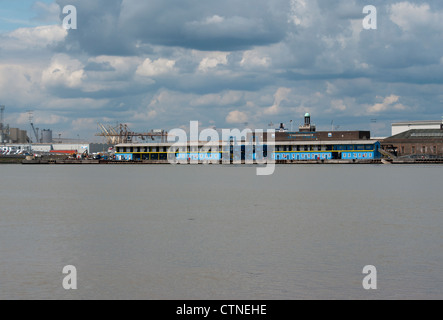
[[159, 64]]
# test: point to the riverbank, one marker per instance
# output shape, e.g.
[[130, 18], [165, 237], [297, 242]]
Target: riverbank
[[60, 160], [165, 162], [11, 159]]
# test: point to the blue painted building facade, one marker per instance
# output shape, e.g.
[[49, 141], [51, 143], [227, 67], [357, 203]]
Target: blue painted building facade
[[290, 151]]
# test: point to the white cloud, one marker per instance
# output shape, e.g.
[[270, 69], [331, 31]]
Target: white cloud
[[154, 68], [41, 119], [303, 12], [37, 37], [152, 114], [163, 98], [83, 123], [254, 58], [64, 71], [235, 117], [20, 85], [23, 118], [410, 16], [214, 20], [389, 103], [212, 60], [50, 119], [146, 115], [338, 105], [280, 96]]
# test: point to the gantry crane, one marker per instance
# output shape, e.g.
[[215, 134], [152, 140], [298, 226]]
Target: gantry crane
[[122, 134]]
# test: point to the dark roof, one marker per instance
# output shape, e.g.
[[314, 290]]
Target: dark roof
[[418, 134]]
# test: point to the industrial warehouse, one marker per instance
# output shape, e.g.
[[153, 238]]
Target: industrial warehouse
[[16, 143]]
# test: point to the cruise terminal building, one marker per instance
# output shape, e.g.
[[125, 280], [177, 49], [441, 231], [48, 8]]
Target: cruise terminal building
[[283, 146]]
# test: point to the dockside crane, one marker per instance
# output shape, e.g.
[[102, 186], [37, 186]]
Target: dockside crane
[[108, 132], [31, 121], [2, 111], [122, 134], [2, 129]]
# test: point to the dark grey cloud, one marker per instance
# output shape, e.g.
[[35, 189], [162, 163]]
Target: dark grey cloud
[[125, 27], [99, 66], [415, 42], [99, 30]]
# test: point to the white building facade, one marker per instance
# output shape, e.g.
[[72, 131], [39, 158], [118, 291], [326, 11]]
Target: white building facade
[[401, 127]]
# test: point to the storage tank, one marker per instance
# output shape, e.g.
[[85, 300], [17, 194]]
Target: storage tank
[[47, 136]]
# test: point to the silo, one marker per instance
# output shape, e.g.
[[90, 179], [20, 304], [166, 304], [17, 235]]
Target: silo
[[46, 136]]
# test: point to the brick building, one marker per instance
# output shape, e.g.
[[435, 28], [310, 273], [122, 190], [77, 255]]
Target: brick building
[[416, 143]]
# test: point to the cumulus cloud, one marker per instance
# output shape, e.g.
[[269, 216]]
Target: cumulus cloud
[[253, 58], [63, 72], [42, 36], [162, 63], [303, 13], [410, 16], [280, 96], [389, 103], [158, 67], [206, 25], [212, 60], [83, 123], [20, 86], [338, 105], [236, 117], [41, 119]]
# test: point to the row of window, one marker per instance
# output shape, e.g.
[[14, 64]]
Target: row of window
[[277, 148], [357, 147], [303, 148], [326, 148], [423, 149], [141, 149]]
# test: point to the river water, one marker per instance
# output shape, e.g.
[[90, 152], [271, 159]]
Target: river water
[[221, 232]]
